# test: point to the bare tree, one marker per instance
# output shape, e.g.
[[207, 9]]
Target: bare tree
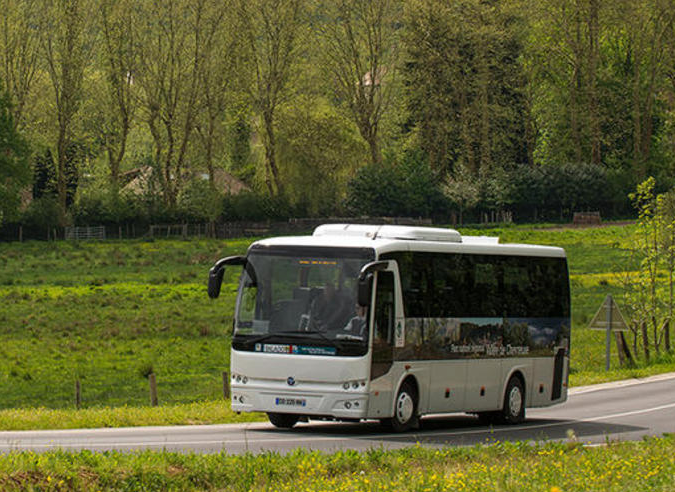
[[362, 48], [272, 30]]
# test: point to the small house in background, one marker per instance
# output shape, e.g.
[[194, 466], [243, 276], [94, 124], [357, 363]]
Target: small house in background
[[225, 182], [138, 180]]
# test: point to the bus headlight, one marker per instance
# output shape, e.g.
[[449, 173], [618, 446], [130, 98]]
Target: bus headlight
[[354, 385], [238, 378]]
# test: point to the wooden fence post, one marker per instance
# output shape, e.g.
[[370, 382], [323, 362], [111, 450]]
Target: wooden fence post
[[153, 389], [78, 394], [226, 386]]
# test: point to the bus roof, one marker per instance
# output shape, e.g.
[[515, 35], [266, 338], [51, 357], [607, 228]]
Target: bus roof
[[390, 238]]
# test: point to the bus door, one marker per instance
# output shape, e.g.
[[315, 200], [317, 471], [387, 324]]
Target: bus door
[[387, 314], [383, 324]]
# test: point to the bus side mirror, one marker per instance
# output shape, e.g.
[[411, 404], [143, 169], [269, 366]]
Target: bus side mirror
[[366, 280], [365, 290], [216, 273]]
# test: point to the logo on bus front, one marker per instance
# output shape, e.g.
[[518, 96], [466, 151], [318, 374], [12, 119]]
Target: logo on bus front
[[291, 381]]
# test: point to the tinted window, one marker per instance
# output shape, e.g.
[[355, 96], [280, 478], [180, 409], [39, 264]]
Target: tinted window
[[461, 285]]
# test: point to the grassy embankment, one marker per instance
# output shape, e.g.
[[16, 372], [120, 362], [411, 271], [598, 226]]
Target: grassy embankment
[[109, 313], [552, 467]]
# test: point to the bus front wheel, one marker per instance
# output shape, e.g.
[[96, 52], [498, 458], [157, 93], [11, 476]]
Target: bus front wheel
[[405, 410], [283, 420], [513, 411]]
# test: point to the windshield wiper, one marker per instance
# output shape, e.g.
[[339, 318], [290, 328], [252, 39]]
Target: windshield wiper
[[348, 336]]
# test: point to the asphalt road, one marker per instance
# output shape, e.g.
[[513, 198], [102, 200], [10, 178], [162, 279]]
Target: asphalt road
[[626, 410]]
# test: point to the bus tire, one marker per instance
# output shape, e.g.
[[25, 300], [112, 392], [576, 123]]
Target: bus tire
[[283, 420], [405, 409], [513, 411]]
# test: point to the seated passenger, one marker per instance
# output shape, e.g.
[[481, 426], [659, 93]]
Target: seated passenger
[[331, 310]]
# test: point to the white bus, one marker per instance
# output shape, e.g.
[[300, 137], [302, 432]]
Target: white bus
[[391, 322]]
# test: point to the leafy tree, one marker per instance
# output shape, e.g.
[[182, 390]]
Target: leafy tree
[[118, 104], [465, 84], [319, 150], [274, 31], [14, 170], [361, 48], [19, 53], [177, 38], [649, 302], [65, 47]]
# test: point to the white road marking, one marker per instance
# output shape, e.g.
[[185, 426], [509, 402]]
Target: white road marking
[[117, 445], [580, 390]]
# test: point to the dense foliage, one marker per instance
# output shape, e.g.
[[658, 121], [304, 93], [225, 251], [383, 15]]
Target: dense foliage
[[13, 160], [529, 108]]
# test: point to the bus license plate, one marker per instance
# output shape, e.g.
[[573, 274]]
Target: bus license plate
[[292, 402]]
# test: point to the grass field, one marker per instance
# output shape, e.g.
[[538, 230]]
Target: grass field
[[108, 313], [648, 465]]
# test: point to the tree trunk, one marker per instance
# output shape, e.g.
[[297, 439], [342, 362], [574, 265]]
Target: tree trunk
[[375, 156], [638, 160], [61, 168], [593, 33], [575, 88], [270, 154], [645, 339], [666, 336]]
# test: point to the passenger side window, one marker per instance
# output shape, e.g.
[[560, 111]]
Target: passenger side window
[[384, 308]]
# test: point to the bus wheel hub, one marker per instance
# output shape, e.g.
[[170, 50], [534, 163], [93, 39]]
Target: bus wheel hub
[[404, 407], [515, 401]]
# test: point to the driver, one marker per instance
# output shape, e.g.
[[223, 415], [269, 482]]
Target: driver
[[331, 310]]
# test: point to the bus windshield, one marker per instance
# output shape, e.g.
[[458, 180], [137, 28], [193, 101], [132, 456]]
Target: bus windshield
[[298, 301]]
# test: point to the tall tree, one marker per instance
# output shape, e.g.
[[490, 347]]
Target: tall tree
[[19, 52], [176, 36], [647, 27], [361, 42], [14, 169], [218, 85], [119, 50], [465, 84], [274, 31], [66, 43]]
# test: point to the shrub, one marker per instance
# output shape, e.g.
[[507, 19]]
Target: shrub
[[405, 188]]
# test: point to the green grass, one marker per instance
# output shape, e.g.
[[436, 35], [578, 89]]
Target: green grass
[[207, 412], [108, 313], [552, 467]]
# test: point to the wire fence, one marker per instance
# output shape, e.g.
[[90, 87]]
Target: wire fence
[[219, 230]]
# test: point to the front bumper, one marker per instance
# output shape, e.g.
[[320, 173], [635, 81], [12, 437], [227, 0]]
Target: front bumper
[[341, 405]]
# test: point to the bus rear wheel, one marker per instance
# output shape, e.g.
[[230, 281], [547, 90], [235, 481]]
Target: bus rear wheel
[[283, 420], [405, 410], [513, 411]]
